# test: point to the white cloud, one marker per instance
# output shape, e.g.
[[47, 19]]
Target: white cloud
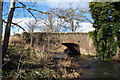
[[86, 27], [19, 21], [23, 21], [85, 24]]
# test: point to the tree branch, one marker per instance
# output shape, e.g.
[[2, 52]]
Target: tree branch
[[42, 12], [27, 9], [16, 25], [64, 17]]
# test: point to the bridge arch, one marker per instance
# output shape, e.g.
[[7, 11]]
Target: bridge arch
[[72, 48]]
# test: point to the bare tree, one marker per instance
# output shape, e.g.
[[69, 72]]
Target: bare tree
[[32, 25], [68, 16], [73, 16], [1, 27], [47, 21], [63, 19], [7, 28]]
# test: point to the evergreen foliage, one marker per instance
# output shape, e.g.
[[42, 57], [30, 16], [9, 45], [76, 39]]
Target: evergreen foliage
[[106, 37]]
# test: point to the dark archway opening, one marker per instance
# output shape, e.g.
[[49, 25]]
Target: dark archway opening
[[72, 49]]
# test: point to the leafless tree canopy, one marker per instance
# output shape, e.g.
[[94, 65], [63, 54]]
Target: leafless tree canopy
[[62, 20], [53, 20]]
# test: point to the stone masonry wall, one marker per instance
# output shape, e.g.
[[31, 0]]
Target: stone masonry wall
[[47, 42]]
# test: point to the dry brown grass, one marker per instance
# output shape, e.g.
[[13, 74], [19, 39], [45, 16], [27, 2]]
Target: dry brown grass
[[37, 59], [117, 56], [15, 39]]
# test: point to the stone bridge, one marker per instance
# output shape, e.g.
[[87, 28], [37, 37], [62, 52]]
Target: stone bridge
[[72, 43]]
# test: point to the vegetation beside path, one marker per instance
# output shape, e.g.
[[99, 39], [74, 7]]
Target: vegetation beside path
[[24, 63]]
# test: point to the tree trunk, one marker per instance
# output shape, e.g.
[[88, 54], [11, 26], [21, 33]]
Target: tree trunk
[[72, 26], [1, 28], [7, 28]]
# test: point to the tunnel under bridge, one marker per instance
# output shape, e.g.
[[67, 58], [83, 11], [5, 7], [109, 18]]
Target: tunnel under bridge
[[72, 48]]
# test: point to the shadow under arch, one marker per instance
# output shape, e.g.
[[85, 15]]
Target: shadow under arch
[[72, 48]]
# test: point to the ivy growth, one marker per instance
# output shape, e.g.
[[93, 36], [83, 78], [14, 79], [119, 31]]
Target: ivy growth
[[106, 16]]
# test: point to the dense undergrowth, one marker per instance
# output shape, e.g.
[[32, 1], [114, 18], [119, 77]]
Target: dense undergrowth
[[24, 63]]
